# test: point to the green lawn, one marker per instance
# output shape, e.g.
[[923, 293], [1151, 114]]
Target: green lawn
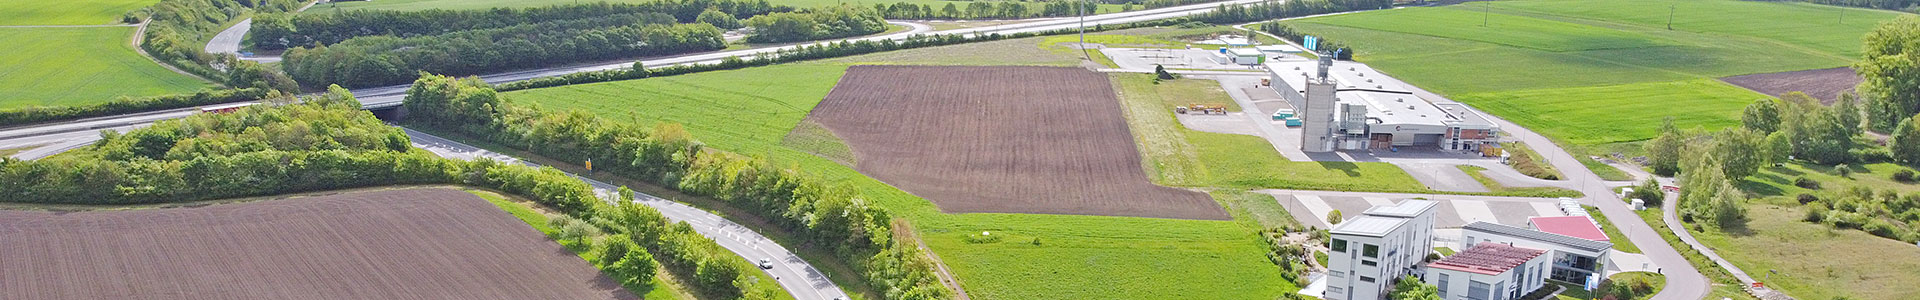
[[483, 4], [750, 111], [79, 66], [1573, 70], [1620, 240], [67, 12], [1497, 188], [1816, 262]]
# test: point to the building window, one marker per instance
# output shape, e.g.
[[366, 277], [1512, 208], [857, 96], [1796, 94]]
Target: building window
[[1339, 245], [1338, 274], [1370, 250], [1443, 285], [1366, 279], [1369, 262], [1478, 291]]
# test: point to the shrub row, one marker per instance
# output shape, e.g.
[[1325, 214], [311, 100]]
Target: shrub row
[[667, 156], [127, 105], [815, 24], [386, 60], [1231, 14], [1287, 32], [1885, 214], [279, 31]]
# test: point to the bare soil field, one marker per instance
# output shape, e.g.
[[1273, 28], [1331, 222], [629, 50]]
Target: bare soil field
[[1047, 140], [425, 243], [1823, 84]]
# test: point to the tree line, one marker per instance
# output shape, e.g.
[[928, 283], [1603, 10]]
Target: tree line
[[1233, 14], [1287, 32], [988, 10], [666, 155], [387, 60], [285, 30], [815, 24]]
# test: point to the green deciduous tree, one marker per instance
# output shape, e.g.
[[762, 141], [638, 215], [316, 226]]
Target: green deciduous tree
[[1410, 288], [1741, 151], [1663, 152], [1762, 116], [719, 18], [634, 269], [1905, 144], [1889, 62]]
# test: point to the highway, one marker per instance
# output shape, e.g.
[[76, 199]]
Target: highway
[[795, 275]]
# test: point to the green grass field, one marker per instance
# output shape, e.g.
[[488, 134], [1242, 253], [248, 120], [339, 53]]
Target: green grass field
[[1816, 262], [67, 12], [1590, 72], [79, 66], [484, 4]]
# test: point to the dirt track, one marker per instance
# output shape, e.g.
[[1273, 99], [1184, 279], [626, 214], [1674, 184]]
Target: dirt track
[[398, 244], [1001, 140], [1823, 84]]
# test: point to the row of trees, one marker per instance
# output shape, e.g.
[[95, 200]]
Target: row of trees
[[666, 155], [279, 31], [1794, 126], [1232, 14], [1287, 32], [815, 24], [127, 105], [979, 10], [1901, 5], [386, 60], [1888, 63]]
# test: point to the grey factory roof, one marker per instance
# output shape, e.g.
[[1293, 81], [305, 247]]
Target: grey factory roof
[[1541, 236]]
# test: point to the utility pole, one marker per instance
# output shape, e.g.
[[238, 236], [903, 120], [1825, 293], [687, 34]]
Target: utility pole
[[1080, 9], [1486, 13], [1669, 16]]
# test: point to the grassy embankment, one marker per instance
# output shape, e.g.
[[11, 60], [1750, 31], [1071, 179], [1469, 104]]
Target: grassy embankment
[[79, 66], [1079, 257], [1497, 188]]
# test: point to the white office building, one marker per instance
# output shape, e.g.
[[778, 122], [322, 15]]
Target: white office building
[[1383, 244], [1489, 271]]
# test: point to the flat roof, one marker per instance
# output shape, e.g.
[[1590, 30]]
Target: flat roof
[[1574, 226], [1464, 115], [1386, 100], [1287, 48], [1405, 209], [1245, 51], [1488, 258], [1368, 226], [1540, 236]]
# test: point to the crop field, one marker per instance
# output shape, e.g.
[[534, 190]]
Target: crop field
[[67, 12], [1567, 68], [393, 244], [79, 66], [1080, 257], [1000, 139], [1823, 84]]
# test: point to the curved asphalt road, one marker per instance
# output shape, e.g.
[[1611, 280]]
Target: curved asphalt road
[[794, 274]]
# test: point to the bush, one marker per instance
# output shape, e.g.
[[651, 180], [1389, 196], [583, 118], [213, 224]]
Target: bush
[[982, 238], [1334, 217], [815, 24], [1806, 198], [1903, 175], [1805, 183]]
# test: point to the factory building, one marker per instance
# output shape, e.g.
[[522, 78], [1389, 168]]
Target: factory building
[[1349, 107]]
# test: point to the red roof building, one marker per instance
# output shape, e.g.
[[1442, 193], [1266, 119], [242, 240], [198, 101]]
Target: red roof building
[[1574, 226], [1488, 258]]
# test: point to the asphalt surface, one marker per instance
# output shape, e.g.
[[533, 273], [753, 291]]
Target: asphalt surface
[[795, 275]]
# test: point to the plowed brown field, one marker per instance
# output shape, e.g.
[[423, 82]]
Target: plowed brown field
[[397, 244], [1001, 140], [1823, 84]]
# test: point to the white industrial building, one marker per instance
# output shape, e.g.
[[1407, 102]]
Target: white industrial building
[[1385, 243], [1574, 260], [1348, 107], [1489, 271]]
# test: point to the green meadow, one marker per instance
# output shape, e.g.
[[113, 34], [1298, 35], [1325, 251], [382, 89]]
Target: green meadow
[[1598, 72], [79, 66], [67, 12]]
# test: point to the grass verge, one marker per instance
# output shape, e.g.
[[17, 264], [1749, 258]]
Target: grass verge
[[1504, 190]]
